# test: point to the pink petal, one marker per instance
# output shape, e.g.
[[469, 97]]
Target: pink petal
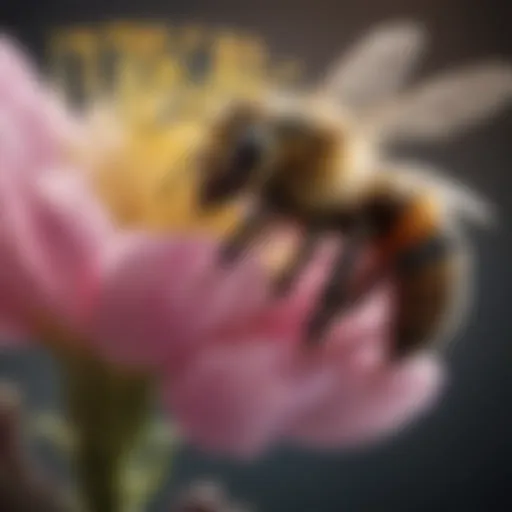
[[32, 126], [231, 399], [138, 307], [21, 292], [17, 70], [73, 231], [223, 301], [161, 298], [54, 236], [361, 412]]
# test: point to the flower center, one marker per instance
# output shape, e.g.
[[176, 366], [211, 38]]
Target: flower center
[[139, 148]]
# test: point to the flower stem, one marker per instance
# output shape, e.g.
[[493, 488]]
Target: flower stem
[[98, 474], [108, 410]]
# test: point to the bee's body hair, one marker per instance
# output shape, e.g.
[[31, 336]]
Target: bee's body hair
[[323, 166]]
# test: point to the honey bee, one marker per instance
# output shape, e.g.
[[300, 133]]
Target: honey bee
[[322, 158]]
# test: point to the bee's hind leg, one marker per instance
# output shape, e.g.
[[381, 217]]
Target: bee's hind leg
[[287, 278], [336, 294]]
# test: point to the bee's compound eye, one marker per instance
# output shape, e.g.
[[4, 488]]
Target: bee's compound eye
[[249, 149]]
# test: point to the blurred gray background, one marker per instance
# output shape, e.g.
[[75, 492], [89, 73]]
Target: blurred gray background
[[459, 458]]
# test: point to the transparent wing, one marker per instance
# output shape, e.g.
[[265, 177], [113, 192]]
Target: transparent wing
[[458, 199], [447, 105], [376, 66]]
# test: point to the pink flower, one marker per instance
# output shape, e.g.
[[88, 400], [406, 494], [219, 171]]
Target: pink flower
[[250, 384], [232, 371]]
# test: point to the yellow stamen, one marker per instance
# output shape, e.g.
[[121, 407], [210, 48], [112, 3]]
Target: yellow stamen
[[141, 161]]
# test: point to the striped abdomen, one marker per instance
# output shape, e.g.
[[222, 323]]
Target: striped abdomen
[[430, 265]]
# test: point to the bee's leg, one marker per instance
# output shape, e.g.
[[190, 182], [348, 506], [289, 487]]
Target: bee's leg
[[370, 282], [248, 230], [336, 293], [286, 279]]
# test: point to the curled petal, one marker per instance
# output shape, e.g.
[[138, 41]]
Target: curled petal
[[363, 411]]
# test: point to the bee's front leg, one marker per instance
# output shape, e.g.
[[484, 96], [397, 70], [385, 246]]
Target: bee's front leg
[[244, 235], [286, 279]]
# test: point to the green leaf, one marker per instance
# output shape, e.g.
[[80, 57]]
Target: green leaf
[[51, 427], [147, 466]]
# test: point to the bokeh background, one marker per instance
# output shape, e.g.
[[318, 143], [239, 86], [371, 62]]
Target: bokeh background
[[459, 457]]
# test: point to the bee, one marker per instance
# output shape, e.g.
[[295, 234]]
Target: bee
[[322, 158]]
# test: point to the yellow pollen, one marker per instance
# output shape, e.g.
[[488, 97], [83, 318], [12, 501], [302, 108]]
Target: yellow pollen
[[143, 121]]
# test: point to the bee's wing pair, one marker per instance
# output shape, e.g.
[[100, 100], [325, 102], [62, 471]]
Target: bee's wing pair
[[369, 78], [376, 66], [445, 106]]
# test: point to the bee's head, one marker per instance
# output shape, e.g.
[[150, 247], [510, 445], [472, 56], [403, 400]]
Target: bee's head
[[233, 154], [250, 142]]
